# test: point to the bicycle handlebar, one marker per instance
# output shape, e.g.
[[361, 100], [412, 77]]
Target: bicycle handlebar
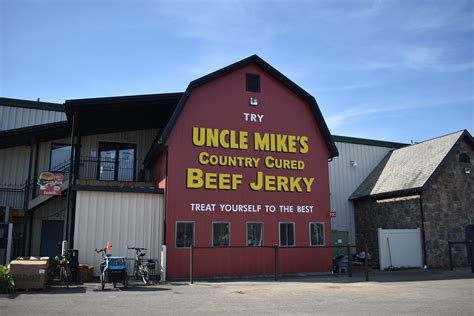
[[136, 248]]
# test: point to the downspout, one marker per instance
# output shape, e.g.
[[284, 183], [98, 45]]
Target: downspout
[[166, 196], [77, 155], [27, 199], [68, 197], [422, 215], [35, 171]]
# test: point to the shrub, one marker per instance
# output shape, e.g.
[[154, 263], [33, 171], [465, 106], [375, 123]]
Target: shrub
[[7, 284]]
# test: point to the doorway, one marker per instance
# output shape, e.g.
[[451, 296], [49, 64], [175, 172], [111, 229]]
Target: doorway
[[469, 236], [51, 237]]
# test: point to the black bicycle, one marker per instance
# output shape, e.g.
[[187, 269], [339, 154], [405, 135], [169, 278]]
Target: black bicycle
[[64, 270], [142, 267]]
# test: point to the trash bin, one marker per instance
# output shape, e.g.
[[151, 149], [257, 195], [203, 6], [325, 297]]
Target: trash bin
[[73, 263], [29, 274]]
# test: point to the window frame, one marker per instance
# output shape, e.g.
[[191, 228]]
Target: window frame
[[212, 232], [247, 233], [248, 76], [50, 169], [117, 146], [324, 236], [464, 158], [176, 234], [294, 234]]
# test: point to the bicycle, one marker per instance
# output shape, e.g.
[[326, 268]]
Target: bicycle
[[142, 268], [64, 270], [112, 269]]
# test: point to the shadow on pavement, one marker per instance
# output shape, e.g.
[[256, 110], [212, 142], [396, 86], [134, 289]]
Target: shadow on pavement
[[49, 290], [411, 275]]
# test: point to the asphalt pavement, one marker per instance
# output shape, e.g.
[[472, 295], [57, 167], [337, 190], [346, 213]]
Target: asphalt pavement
[[420, 292]]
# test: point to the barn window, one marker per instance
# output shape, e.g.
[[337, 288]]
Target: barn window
[[220, 234], [316, 231], [464, 158], [287, 234], [184, 234], [254, 234], [252, 82]]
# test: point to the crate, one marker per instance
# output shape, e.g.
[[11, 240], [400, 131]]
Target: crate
[[29, 274], [85, 273]]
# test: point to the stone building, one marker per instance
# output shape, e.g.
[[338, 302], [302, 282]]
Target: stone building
[[428, 185]]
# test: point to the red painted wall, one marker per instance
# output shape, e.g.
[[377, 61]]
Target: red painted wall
[[220, 104]]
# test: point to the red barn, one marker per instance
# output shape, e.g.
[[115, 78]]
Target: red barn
[[244, 165]]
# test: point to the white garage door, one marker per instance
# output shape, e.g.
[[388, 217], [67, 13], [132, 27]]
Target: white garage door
[[400, 248], [123, 219]]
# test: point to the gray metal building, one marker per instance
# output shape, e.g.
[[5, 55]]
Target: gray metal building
[[16, 113], [357, 158]]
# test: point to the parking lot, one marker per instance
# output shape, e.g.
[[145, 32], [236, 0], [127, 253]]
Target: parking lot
[[399, 292]]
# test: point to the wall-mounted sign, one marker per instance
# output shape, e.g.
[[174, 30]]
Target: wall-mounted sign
[[332, 214], [50, 183], [273, 144]]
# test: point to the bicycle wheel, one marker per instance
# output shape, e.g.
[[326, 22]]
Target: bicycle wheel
[[136, 269], [145, 274], [102, 280], [125, 281], [67, 276]]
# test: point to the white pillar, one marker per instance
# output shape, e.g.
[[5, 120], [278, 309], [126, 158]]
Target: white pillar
[[9, 244], [163, 263]]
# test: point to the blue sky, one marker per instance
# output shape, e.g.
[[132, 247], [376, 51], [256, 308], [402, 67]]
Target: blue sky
[[390, 70]]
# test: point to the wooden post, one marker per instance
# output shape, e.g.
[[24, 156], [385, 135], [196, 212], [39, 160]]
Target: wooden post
[[191, 263], [366, 264], [349, 260], [276, 261], [471, 247], [450, 256]]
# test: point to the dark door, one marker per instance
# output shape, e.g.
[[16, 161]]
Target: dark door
[[469, 236], [51, 237]]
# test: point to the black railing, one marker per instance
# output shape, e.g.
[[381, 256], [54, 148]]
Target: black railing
[[111, 169], [277, 255], [12, 195], [469, 253]]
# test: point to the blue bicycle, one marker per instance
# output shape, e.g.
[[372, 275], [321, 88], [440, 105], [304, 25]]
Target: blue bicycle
[[112, 269]]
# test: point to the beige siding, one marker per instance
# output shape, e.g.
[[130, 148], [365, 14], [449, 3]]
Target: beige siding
[[90, 146], [143, 139], [17, 117], [44, 155], [124, 219], [53, 209], [14, 163], [344, 180]]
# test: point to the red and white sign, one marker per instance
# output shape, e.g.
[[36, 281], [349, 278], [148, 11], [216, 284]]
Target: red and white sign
[[332, 214], [50, 183]]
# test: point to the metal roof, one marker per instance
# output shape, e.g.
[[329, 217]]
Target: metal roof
[[39, 105], [408, 169], [368, 142]]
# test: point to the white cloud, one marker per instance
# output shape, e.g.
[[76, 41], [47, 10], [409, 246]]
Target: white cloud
[[415, 58], [368, 111], [449, 15]]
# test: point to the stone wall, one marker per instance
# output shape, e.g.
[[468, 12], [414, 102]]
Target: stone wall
[[448, 206], [397, 213]]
